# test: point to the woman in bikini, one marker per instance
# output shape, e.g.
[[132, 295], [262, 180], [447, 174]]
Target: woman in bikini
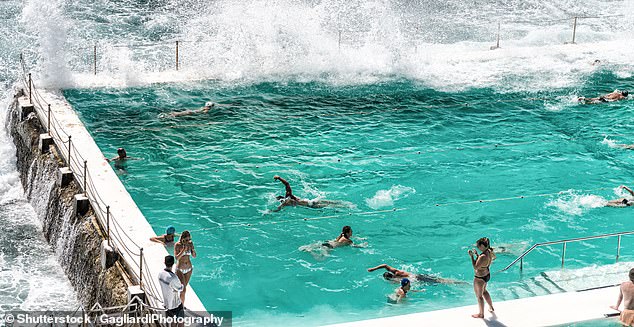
[[184, 250], [481, 263]]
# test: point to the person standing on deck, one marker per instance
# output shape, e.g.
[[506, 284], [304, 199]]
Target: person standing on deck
[[184, 251], [171, 287], [481, 263]]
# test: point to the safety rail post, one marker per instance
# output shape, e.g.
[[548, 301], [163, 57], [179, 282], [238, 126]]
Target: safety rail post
[[618, 248], [339, 42], [521, 264], [141, 268], [30, 88], [48, 124], [177, 63], [497, 44], [563, 255], [108, 224], [85, 169], [574, 31], [94, 59], [69, 145]]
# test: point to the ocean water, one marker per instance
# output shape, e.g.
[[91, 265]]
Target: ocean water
[[382, 104], [31, 277]]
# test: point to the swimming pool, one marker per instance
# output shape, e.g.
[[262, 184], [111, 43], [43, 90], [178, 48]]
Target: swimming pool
[[395, 144]]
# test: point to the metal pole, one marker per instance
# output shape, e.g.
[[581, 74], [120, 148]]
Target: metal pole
[[574, 30], [85, 170], [94, 59], [521, 264], [618, 248], [497, 45], [563, 255], [83, 317], [30, 88], [108, 224], [177, 55], [339, 40], [69, 144], [141, 269], [48, 129]]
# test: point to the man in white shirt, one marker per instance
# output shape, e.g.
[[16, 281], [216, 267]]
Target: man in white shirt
[[171, 287]]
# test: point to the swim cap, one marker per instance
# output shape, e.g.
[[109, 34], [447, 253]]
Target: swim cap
[[209, 104], [625, 93], [404, 281], [170, 230]]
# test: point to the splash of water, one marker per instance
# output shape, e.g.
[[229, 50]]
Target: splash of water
[[386, 198]]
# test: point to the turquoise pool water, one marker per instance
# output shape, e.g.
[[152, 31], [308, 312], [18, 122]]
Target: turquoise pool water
[[213, 175]]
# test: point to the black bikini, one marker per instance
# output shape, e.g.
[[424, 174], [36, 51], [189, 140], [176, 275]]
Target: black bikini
[[488, 276]]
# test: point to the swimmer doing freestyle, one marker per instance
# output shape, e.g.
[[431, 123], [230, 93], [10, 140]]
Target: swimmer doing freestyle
[[610, 97], [622, 202], [291, 200], [393, 274], [208, 106]]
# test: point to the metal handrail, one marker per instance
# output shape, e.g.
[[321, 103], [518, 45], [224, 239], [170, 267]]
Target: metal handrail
[[565, 242]]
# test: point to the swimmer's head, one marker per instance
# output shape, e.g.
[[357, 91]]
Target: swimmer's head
[[404, 282], [388, 275], [625, 201], [170, 230], [346, 231], [121, 152], [209, 104], [625, 93]]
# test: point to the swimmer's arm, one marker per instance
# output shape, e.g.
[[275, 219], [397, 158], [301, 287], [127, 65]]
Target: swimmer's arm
[[379, 267], [158, 239], [287, 185], [416, 291], [399, 296], [627, 189], [279, 208]]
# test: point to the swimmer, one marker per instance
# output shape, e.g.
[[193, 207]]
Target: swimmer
[[208, 106], [120, 159], [401, 292], [394, 274], [610, 97], [622, 202], [596, 62], [291, 200], [167, 238], [342, 240]]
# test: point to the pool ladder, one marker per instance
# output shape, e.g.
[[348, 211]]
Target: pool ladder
[[565, 242]]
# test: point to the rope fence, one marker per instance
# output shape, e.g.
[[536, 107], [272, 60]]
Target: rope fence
[[70, 154]]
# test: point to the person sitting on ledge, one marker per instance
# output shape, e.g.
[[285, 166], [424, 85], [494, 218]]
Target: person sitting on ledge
[[167, 238], [626, 295], [610, 97], [394, 274], [291, 200], [208, 106], [622, 202]]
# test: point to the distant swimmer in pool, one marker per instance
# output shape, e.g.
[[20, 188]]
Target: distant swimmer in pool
[[121, 158], [342, 240], [610, 97], [205, 109], [622, 202], [394, 274], [291, 200]]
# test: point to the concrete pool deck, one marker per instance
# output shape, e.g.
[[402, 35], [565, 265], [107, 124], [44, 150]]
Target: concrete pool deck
[[547, 310], [112, 192]]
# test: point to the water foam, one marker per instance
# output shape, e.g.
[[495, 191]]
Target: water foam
[[386, 198], [573, 203], [337, 42]]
